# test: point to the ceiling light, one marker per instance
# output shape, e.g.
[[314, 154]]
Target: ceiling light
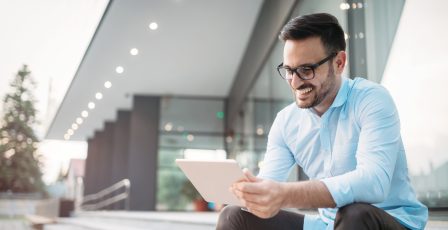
[[91, 105], [70, 132], [260, 131], [190, 137], [153, 26], [120, 69], [84, 113], [66, 137], [79, 120], [75, 126], [169, 126], [344, 6], [134, 51], [107, 84], [99, 96]]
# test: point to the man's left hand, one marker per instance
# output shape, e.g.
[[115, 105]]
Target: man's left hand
[[263, 198]]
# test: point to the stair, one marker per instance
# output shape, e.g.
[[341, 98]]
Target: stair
[[114, 220]]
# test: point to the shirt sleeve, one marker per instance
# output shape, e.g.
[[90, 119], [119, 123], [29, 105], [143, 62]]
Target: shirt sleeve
[[376, 155], [278, 159]]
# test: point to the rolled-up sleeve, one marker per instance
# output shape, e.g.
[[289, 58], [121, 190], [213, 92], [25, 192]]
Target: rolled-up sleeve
[[376, 155]]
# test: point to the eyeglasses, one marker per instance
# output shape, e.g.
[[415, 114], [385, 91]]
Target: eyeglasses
[[305, 72]]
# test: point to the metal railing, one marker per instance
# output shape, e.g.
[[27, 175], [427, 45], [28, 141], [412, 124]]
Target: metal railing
[[98, 200]]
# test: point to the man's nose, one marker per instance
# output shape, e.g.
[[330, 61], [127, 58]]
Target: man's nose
[[295, 81]]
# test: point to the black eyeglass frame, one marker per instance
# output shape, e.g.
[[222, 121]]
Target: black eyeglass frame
[[311, 66]]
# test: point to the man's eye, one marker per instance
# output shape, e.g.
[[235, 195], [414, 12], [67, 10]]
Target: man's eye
[[306, 71]]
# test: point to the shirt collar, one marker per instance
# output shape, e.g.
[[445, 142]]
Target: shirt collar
[[342, 95]]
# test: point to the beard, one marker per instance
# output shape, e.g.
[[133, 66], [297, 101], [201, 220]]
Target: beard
[[319, 96]]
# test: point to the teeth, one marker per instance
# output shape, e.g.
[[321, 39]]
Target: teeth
[[306, 90]]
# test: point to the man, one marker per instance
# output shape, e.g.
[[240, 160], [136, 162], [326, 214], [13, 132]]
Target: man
[[344, 133]]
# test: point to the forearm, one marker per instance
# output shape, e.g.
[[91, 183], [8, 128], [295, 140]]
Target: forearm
[[307, 194]]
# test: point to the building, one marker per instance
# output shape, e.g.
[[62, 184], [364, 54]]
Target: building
[[165, 79]]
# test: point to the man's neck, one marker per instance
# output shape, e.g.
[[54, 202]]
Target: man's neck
[[321, 108]]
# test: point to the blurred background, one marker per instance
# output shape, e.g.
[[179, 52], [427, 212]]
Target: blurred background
[[123, 88]]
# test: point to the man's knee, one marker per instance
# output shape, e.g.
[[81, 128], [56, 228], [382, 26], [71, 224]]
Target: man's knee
[[231, 217], [355, 210], [356, 214]]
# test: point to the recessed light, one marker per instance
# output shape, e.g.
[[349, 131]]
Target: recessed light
[[190, 137], [99, 96], [107, 84], [75, 126], [260, 131], [134, 51], [119, 69], [153, 26], [91, 105], [66, 137], [70, 132], [169, 126], [84, 113], [79, 120]]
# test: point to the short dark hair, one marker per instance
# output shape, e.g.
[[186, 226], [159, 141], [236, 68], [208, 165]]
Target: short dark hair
[[322, 25]]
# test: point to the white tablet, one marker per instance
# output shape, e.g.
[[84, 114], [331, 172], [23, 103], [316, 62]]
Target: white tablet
[[212, 178]]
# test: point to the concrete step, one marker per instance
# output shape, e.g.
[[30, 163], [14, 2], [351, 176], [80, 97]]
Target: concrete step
[[114, 220], [134, 220]]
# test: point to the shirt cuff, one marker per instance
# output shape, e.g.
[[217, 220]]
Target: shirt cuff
[[340, 190]]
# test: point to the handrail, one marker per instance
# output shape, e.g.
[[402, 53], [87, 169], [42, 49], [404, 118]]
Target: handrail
[[103, 193]]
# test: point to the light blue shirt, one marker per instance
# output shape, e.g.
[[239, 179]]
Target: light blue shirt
[[354, 148]]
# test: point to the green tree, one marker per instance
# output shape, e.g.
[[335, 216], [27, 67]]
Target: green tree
[[19, 165]]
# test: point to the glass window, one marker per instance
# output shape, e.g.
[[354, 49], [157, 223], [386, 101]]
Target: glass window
[[189, 128]]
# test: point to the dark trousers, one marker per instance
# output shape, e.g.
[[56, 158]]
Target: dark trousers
[[354, 216]]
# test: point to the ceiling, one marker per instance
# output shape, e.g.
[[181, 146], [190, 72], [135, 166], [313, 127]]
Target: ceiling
[[195, 51]]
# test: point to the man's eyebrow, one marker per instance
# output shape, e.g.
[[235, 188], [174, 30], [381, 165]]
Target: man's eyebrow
[[302, 65]]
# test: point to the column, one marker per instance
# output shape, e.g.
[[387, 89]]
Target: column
[[143, 149]]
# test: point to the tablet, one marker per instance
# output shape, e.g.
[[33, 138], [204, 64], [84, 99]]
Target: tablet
[[212, 178]]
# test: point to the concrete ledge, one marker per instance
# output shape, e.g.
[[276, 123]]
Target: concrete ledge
[[201, 218]]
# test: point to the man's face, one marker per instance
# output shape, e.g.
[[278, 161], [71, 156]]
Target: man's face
[[310, 93]]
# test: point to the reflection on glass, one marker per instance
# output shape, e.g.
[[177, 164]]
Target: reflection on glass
[[192, 129]]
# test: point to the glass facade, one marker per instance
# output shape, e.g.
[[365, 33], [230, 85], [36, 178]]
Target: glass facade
[[368, 45], [189, 124], [189, 128]]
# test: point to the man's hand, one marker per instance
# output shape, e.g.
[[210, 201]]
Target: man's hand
[[263, 198]]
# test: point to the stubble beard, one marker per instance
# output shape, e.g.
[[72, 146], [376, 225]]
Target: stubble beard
[[327, 86]]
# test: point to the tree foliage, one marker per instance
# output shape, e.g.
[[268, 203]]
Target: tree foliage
[[19, 166]]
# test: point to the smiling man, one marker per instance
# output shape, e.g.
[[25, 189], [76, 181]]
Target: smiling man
[[344, 133]]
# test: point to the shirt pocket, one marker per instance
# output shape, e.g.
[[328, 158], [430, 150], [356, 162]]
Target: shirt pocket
[[343, 158]]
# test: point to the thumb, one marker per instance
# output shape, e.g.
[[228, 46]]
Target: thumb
[[250, 176]]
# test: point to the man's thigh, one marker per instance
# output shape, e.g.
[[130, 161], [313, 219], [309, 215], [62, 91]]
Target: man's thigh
[[364, 216], [232, 217]]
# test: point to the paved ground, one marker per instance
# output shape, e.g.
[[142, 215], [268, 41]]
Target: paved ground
[[114, 220], [13, 223]]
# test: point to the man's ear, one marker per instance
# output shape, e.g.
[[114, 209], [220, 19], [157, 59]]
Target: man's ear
[[340, 60]]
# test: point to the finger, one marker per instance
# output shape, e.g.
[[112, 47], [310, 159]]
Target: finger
[[250, 176], [258, 211], [249, 187], [248, 197], [238, 196]]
